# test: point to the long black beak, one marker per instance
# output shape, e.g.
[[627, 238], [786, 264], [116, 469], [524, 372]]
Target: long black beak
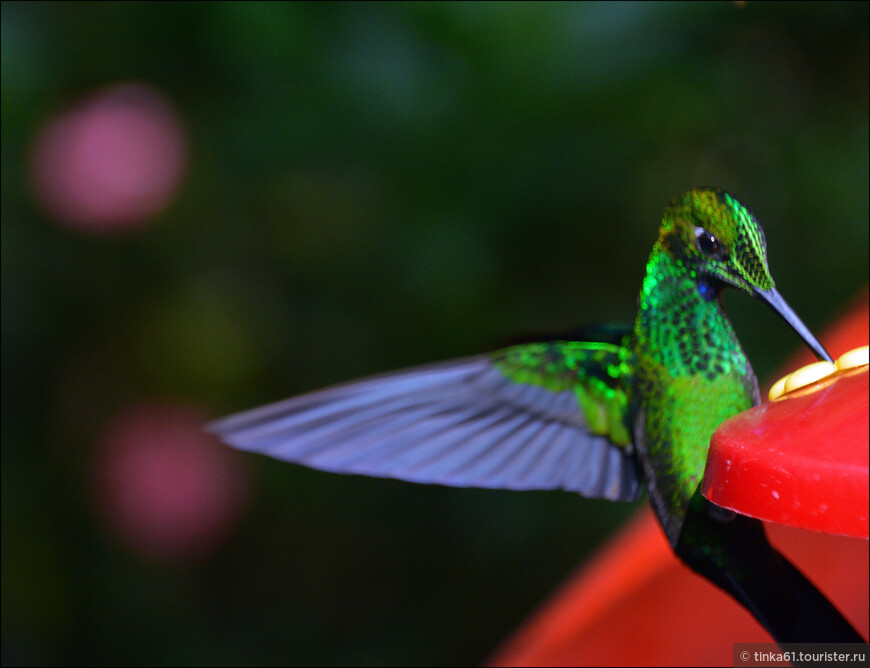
[[777, 303]]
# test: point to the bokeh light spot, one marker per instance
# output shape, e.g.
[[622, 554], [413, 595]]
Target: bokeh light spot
[[111, 162], [166, 488]]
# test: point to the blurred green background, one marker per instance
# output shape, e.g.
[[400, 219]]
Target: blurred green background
[[371, 186]]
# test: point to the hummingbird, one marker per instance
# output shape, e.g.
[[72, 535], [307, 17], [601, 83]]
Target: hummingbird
[[600, 412]]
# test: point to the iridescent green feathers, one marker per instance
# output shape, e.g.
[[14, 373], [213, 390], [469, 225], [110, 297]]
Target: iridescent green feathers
[[738, 257], [597, 373]]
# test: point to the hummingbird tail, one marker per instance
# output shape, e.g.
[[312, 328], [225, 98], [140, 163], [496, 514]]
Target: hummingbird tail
[[745, 564]]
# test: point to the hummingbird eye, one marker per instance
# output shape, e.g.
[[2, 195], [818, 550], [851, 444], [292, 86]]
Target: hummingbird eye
[[708, 244]]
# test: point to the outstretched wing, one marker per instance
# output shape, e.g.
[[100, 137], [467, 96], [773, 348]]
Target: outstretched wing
[[536, 416]]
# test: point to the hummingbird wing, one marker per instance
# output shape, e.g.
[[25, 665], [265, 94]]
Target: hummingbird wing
[[534, 416]]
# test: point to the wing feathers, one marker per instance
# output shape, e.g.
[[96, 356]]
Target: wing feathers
[[462, 423]]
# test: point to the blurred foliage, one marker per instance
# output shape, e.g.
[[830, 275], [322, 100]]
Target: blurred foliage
[[372, 186]]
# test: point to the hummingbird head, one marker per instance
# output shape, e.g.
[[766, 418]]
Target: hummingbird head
[[720, 243], [718, 239]]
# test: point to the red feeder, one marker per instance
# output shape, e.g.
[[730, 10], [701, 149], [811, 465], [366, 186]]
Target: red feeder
[[800, 460]]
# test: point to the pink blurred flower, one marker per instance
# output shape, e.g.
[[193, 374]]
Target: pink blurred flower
[[167, 489], [111, 162]]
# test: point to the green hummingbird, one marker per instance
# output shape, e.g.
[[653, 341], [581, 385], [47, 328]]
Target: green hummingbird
[[598, 412]]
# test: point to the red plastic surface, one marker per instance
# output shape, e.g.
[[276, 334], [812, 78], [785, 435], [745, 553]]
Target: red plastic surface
[[801, 460]]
